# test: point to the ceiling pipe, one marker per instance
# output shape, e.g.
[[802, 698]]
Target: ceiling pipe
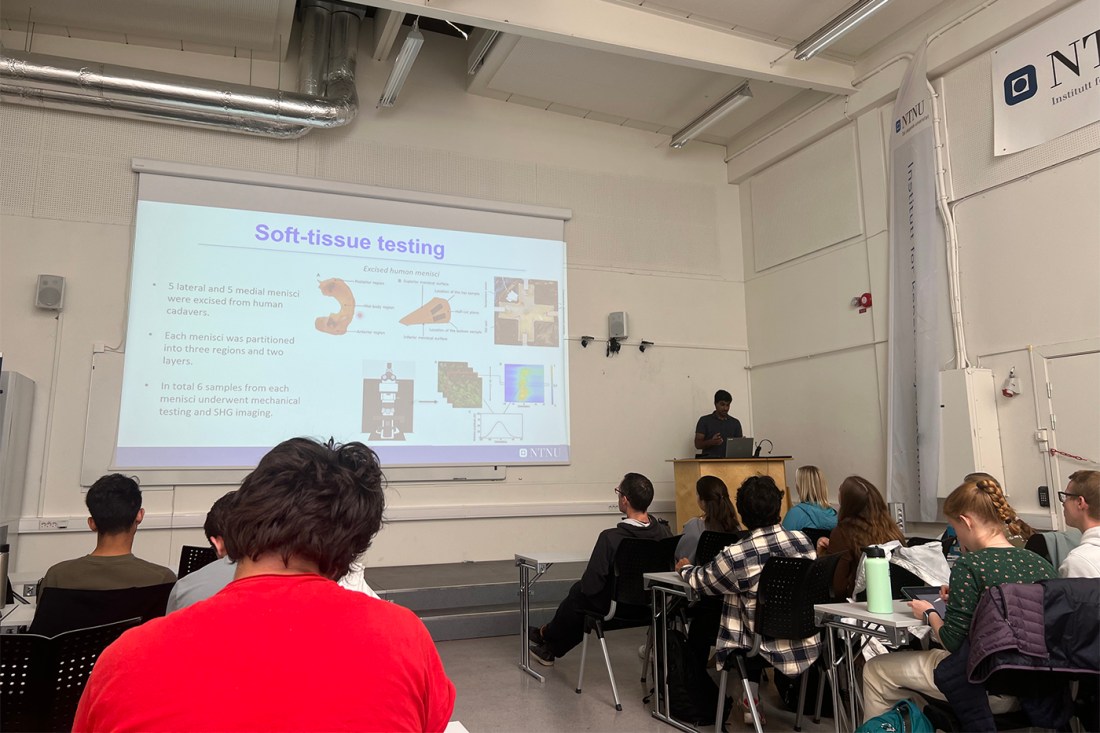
[[326, 96]]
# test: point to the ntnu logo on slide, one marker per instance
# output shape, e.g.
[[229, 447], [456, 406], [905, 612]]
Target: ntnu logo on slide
[[1021, 85], [540, 452]]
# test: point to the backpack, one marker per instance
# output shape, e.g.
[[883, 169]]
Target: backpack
[[788, 688], [904, 717], [692, 694]]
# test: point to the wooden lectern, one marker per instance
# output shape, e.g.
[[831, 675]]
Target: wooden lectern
[[733, 471]]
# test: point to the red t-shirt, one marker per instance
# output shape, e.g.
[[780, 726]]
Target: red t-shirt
[[272, 653]]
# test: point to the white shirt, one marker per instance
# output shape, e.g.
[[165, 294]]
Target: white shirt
[[1083, 561]]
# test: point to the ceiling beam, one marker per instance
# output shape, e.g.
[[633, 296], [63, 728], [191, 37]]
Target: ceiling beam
[[630, 31], [386, 25]]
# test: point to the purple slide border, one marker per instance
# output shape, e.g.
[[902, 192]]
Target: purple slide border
[[390, 454]]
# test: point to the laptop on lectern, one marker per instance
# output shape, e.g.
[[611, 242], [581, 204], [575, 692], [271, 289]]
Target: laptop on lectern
[[738, 447]]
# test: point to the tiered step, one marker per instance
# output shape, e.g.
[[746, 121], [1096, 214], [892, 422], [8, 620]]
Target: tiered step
[[474, 599]]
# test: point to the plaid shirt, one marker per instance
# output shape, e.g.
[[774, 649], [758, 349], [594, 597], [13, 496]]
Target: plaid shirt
[[735, 573]]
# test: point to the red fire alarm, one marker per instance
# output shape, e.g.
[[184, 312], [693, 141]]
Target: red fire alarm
[[863, 302]]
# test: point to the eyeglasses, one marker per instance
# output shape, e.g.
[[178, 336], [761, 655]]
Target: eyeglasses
[[1062, 496], [618, 491]]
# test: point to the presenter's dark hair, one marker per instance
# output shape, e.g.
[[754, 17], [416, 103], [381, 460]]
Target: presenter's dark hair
[[638, 490], [722, 396], [759, 501], [113, 501], [214, 526], [717, 507], [320, 501]]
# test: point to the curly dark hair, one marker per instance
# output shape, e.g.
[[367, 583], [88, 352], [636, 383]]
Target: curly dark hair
[[759, 501], [113, 501], [322, 502]]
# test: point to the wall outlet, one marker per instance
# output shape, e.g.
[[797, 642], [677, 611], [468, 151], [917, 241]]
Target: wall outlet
[[52, 524], [30, 590]]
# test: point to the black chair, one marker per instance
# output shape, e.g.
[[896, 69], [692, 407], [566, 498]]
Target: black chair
[[630, 602], [712, 542], [789, 587], [669, 544], [192, 558], [42, 678], [899, 578], [65, 609], [813, 534]]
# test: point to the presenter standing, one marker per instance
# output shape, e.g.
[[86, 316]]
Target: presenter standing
[[712, 430]]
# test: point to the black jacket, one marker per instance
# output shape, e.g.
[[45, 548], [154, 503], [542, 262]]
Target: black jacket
[[595, 583]]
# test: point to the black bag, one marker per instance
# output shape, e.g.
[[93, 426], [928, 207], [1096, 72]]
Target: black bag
[[788, 692], [692, 694]]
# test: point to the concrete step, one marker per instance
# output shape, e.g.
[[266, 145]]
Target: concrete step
[[472, 600]]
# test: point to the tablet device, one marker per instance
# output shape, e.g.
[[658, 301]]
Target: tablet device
[[927, 593]]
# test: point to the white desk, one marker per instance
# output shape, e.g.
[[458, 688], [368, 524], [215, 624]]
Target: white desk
[[661, 586], [854, 620], [16, 618], [539, 563]]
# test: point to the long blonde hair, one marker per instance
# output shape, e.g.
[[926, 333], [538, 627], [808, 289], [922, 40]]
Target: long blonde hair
[[811, 486], [984, 499]]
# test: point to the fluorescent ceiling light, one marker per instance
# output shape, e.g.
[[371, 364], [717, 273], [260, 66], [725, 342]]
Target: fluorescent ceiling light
[[401, 67], [835, 28], [734, 99]]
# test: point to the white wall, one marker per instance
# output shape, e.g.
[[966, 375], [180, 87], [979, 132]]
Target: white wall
[[1029, 251], [655, 232]]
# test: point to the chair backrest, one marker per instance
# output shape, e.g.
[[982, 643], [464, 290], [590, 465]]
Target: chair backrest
[[41, 679], [1038, 544], [789, 588], [711, 543], [192, 558], [670, 544], [65, 609], [813, 534], [634, 558]]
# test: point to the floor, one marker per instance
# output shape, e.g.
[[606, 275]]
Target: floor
[[493, 694]]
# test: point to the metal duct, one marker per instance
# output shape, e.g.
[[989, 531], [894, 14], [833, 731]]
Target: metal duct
[[326, 96]]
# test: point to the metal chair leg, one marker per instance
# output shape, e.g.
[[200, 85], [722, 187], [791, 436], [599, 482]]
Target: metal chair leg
[[743, 672], [584, 653], [820, 696], [801, 699], [649, 646], [718, 717], [611, 675]]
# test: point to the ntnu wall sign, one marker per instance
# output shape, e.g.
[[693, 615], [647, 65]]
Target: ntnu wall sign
[[1046, 82]]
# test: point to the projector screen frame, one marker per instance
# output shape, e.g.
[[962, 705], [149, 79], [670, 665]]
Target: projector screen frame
[[93, 463]]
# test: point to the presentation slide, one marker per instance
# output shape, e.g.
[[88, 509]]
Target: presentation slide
[[433, 346]]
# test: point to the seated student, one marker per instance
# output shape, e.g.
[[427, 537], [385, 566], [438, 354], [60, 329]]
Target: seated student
[[593, 590], [114, 502], [294, 651], [983, 520], [1081, 509], [718, 515], [735, 574], [813, 510], [211, 578], [863, 520]]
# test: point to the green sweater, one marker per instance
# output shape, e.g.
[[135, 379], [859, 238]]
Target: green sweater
[[974, 573]]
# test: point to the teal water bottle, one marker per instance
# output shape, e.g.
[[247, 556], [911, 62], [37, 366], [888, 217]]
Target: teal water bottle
[[877, 569]]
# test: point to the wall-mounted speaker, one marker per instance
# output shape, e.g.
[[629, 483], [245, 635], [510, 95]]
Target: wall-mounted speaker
[[616, 325], [50, 293]]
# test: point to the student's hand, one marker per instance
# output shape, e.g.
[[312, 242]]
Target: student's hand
[[944, 590], [683, 562], [918, 608], [822, 544]]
